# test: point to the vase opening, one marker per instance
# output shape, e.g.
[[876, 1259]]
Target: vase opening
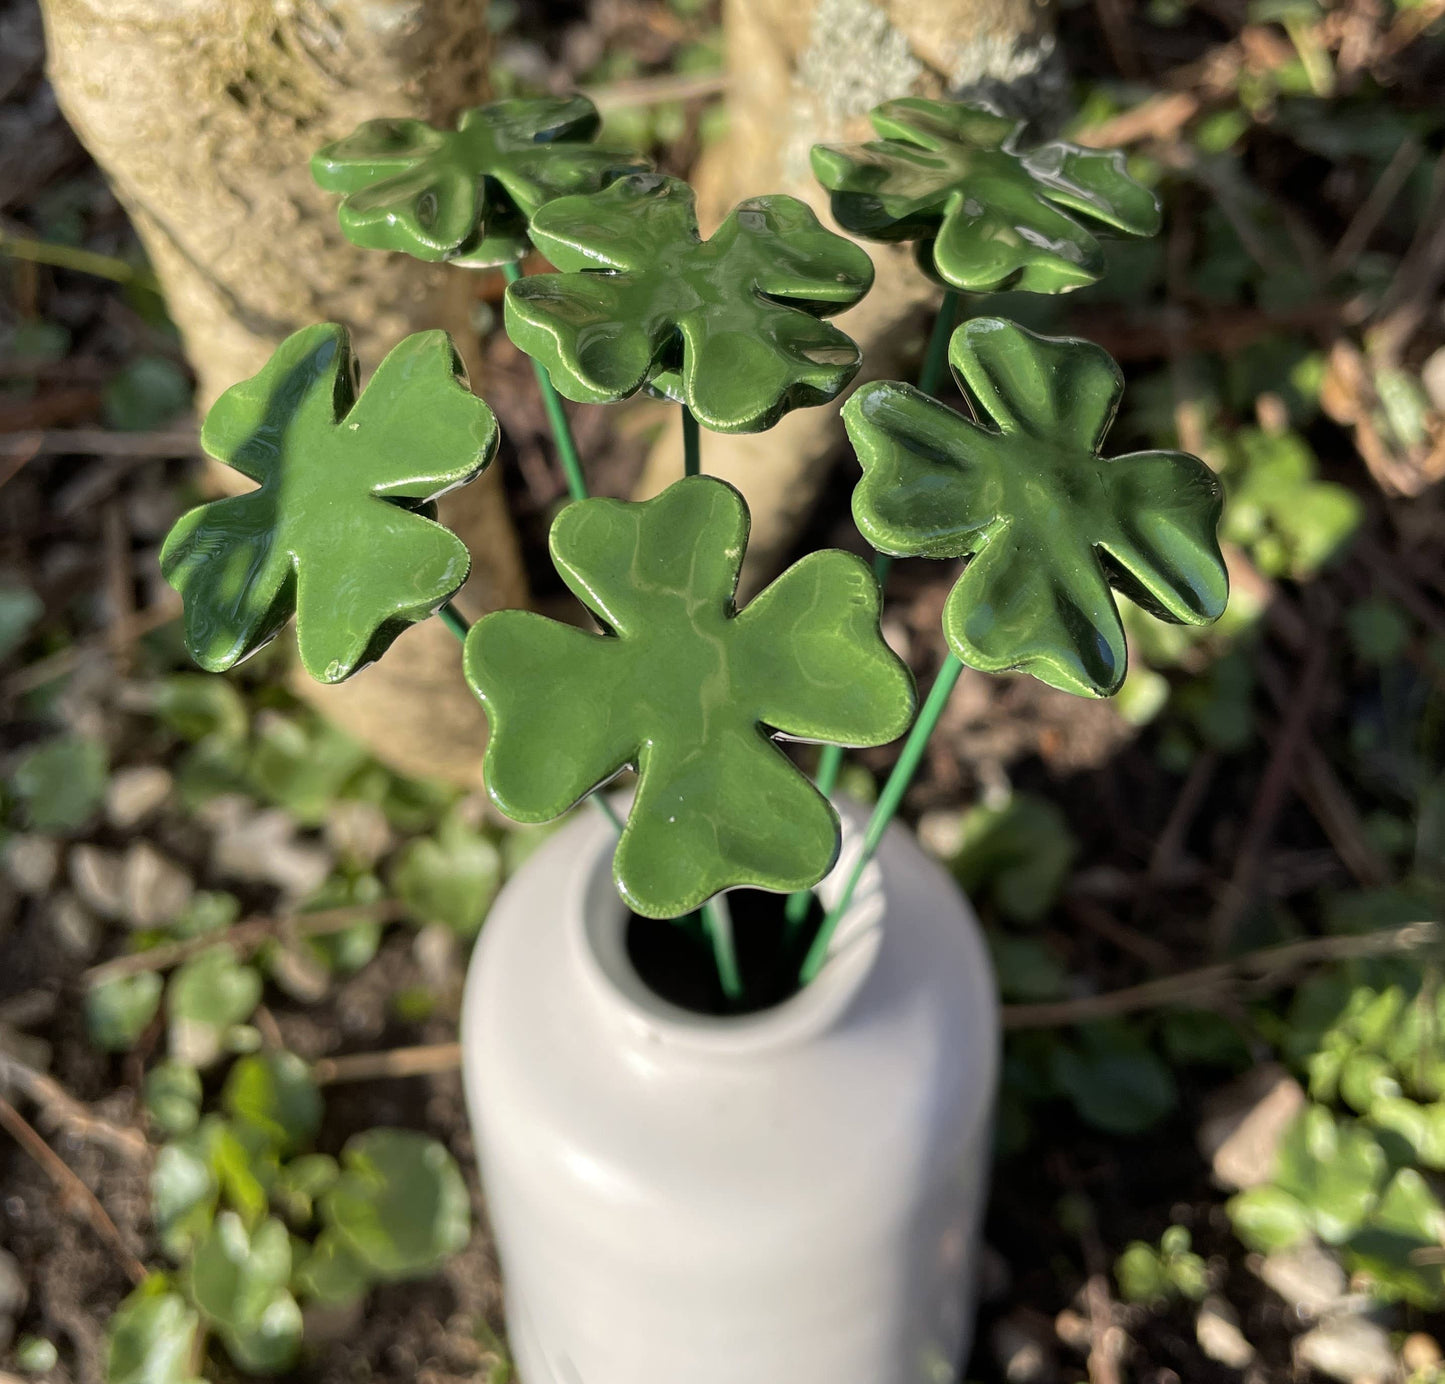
[[674, 959]]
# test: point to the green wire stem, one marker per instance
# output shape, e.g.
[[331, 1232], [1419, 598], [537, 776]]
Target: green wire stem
[[885, 809], [717, 922], [936, 357], [691, 444], [556, 416], [455, 621], [608, 811], [830, 762], [717, 918]]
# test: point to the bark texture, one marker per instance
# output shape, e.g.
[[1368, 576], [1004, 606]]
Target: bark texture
[[807, 72], [204, 114]]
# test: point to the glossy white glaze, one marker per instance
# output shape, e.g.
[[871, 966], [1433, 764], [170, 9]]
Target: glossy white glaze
[[790, 1197]]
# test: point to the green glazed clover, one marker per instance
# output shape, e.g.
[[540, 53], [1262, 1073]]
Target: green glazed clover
[[1049, 524], [986, 213], [466, 194], [339, 531], [731, 326], [681, 685]]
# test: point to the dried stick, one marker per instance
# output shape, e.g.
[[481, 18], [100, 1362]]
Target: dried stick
[[1372, 210], [74, 1194], [1163, 859], [244, 938], [655, 91], [1100, 921], [101, 442], [1268, 968], [45, 670], [1274, 787], [61, 1110], [1317, 783], [428, 1060]]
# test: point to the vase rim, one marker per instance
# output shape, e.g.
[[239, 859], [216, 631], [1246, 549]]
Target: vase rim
[[597, 943]]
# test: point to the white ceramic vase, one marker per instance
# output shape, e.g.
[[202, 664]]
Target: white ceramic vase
[[787, 1197]]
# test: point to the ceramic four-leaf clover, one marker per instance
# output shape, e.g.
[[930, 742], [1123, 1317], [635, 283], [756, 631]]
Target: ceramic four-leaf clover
[[986, 213], [1048, 524], [338, 531], [731, 326], [687, 689], [466, 194]]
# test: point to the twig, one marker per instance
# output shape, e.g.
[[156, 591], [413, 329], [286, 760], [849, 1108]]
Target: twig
[[1225, 331], [1099, 920], [15, 457], [429, 1060], [265, 1023], [67, 660], [1274, 786], [82, 261], [46, 410], [1114, 20], [60, 1110], [1317, 783], [102, 442], [1372, 210], [28, 1008], [244, 938], [1384, 568], [1161, 117], [655, 91], [119, 588], [74, 1194], [1106, 1340], [1267, 968], [1339, 819], [1170, 842], [1412, 292]]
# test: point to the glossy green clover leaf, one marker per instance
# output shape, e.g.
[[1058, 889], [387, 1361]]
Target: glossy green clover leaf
[[339, 531], [466, 194], [985, 212], [731, 326], [681, 686], [1049, 524]]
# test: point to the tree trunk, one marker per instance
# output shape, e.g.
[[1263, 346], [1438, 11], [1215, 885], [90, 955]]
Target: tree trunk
[[204, 114], [810, 71]]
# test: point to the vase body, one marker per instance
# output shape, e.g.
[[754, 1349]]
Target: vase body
[[787, 1197]]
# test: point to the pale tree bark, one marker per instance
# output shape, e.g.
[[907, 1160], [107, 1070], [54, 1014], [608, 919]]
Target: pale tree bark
[[203, 114], [805, 72]]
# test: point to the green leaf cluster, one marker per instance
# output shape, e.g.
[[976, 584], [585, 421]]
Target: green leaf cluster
[[1366, 1182], [1017, 855], [449, 878], [1291, 522], [258, 1224], [1149, 1274], [59, 785]]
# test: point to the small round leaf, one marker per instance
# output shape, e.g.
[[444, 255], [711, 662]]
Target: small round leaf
[[400, 1206], [118, 1011], [274, 1094]]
